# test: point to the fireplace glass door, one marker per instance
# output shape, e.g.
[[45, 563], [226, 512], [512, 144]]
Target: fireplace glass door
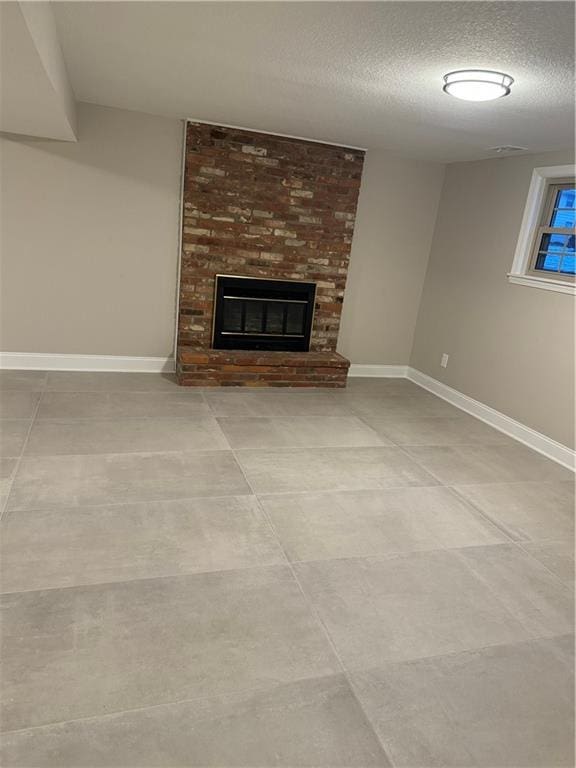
[[251, 313]]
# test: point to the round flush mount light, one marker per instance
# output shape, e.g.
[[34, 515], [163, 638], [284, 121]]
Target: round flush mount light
[[477, 84]]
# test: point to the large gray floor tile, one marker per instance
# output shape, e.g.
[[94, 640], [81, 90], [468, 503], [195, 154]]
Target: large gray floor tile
[[81, 381], [557, 556], [88, 405], [526, 510], [527, 589], [315, 469], [23, 380], [383, 387], [7, 470], [465, 464], [508, 706], [18, 405], [439, 431], [86, 651], [356, 523], [414, 405], [277, 404], [316, 723], [151, 619], [429, 603], [124, 435], [85, 545], [45, 482], [285, 433], [13, 434]]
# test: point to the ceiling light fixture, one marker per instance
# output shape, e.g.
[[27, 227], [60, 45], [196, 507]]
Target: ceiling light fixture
[[477, 84]]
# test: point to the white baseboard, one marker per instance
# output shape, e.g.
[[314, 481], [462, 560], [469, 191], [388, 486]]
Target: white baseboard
[[530, 437], [378, 371], [48, 362]]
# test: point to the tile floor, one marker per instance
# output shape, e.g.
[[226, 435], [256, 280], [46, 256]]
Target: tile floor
[[264, 578]]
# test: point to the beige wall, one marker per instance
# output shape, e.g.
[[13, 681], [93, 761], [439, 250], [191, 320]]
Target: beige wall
[[510, 346], [39, 17], [89, 237], [89, 243], [36, 97], [394, 226]]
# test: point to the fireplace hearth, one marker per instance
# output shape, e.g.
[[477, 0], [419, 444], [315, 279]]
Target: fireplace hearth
[[259, 314]]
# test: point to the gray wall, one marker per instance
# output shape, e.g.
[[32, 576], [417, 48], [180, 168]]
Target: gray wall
[[89, 237], [394, 227], [511, 346], [89, 243]]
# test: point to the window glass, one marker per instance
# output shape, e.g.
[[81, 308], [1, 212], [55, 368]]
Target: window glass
[[556, 253], [563, 214]]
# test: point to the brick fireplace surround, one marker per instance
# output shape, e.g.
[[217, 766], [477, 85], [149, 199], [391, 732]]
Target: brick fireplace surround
[[259, 205]]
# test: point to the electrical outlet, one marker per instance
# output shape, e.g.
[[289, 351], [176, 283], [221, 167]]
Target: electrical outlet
[[444, 360]]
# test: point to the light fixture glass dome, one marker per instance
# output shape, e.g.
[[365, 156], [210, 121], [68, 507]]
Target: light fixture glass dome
[[477, 84]]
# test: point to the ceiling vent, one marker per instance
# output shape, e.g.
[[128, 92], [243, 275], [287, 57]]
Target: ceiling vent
[[507, 150]]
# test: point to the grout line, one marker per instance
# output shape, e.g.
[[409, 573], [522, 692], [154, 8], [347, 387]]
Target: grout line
[[244, 691], [290, 565], [360, 489], [520, 545], [19, 458], [372, 727], [176, 702], [492, 587], [192, 418], [397, 555], [159, 577], [500, 526], [187, 417], [4, 419], [130, 503], [312, 447], [319, 621], [126, 453], [97, 455], [220, 496]]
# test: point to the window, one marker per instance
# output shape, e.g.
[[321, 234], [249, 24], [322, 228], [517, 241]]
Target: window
[[553, 249], [545, 254]]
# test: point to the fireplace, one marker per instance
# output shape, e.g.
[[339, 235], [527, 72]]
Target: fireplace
[[273, 218], [256, 313]]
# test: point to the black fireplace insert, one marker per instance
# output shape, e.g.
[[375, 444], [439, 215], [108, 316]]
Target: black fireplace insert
[[256, 313]]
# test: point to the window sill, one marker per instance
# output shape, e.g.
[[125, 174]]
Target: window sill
[[542, 282]]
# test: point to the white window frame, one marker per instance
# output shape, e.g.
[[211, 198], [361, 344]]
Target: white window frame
[[520, 274]]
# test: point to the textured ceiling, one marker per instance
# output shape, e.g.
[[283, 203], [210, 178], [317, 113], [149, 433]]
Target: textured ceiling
[[364, 74]]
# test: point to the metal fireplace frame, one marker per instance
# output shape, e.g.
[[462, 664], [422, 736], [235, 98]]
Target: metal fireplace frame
[[233, 340]]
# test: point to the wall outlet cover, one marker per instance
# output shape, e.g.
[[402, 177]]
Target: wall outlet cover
[[444, 360]]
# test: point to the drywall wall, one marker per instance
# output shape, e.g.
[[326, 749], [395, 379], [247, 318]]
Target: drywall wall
[[392, 237], [37, 99], [511, 346], [89, 237]]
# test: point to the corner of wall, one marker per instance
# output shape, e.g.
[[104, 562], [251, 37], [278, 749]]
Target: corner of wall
[[180, 230], [428, 265], [41, 24]]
